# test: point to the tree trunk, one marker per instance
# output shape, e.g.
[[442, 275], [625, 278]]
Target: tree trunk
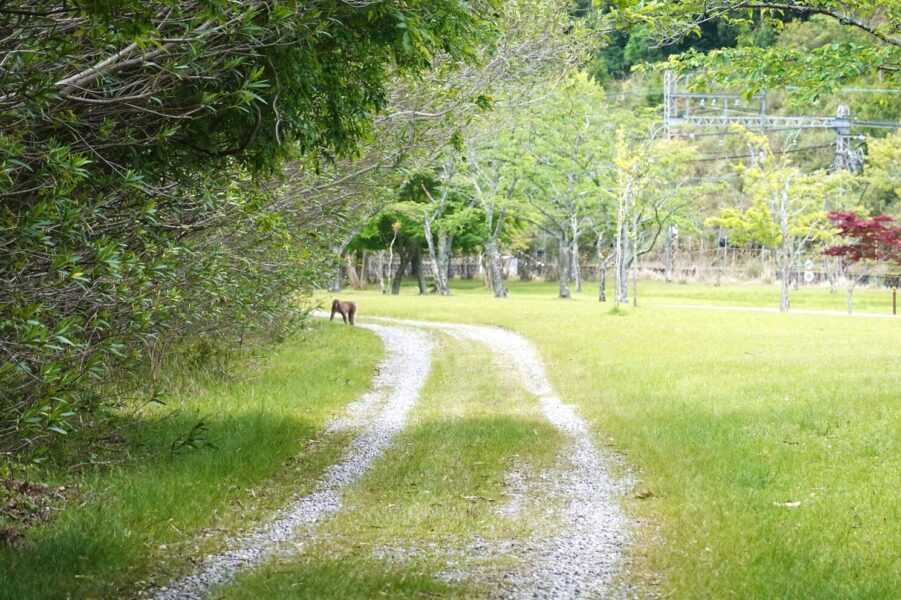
[[391, 264], [763, 266], [852, 283], [381, 271], [337, 281], [785, 251], [484, 271], [352, 274], [668, 254], [565, 263], [831, 273], [493, 258], [575, 270], [404, 257], [417, 267], [445, 243], [635, 285], [438, 274], [784, 301], [364, 269], [620, 268], [602, 270]]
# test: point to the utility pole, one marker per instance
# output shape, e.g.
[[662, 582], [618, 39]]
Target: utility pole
[[683, 109]]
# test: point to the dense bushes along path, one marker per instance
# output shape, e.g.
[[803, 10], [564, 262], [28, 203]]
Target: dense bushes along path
[[576, 549]]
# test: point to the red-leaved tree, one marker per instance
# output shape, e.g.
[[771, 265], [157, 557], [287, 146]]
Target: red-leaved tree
[[869, 241]]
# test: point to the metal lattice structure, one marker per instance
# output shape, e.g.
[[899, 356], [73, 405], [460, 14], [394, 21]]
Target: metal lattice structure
[[685, 110]]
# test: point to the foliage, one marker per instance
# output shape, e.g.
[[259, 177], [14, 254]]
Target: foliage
[[814, 71], [134, 139], [779, 191], [883, 172], [630, 47], [874, 239], [563, 160]]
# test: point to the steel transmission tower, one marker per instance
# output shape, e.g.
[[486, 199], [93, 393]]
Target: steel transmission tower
[[684, 109]]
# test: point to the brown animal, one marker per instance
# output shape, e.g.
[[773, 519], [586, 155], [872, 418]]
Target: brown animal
[[348, 311]]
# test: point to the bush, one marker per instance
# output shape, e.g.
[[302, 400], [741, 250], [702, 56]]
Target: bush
[[137, 145]]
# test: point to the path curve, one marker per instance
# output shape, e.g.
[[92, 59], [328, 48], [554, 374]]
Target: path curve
[[583, 558], [402, 373]]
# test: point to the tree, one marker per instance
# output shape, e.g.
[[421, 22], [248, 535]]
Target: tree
[[787, 209], [429, 115], [882, 171], [814, 72], [650, 188], [492, 182], [448, 216], [869, 241], [564, 142], [138, 141]]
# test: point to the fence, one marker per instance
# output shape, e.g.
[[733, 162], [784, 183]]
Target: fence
[[726, 265]]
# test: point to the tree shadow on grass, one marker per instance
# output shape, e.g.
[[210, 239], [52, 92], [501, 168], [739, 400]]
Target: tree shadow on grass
[[348, 579], [166, 508]]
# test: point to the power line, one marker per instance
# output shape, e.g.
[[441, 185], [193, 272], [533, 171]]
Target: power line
[[876, 124], [786, 151], [680, 109]]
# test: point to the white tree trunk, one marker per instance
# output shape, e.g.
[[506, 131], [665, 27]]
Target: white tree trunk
[[445, 243], [337, 281], [437, 273], [565, 263], [785, 251], [352, 274], [381, 271], [495, 273], [575, 269], [364, 268], [620, 269], [668, 253], [602, 270]]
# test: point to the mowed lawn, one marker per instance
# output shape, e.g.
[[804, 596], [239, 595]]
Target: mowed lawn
[[768, 445]]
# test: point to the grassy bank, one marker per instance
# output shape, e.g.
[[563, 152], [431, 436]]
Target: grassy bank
[[770, 445], [136, 523]]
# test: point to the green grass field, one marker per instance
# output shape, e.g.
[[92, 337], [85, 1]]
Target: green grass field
[[141, 522], [655, 293], [769, 445], [767, 450]]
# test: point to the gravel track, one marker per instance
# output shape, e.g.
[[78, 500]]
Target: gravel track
[[575, 552], [584, 555], [402, 374]]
